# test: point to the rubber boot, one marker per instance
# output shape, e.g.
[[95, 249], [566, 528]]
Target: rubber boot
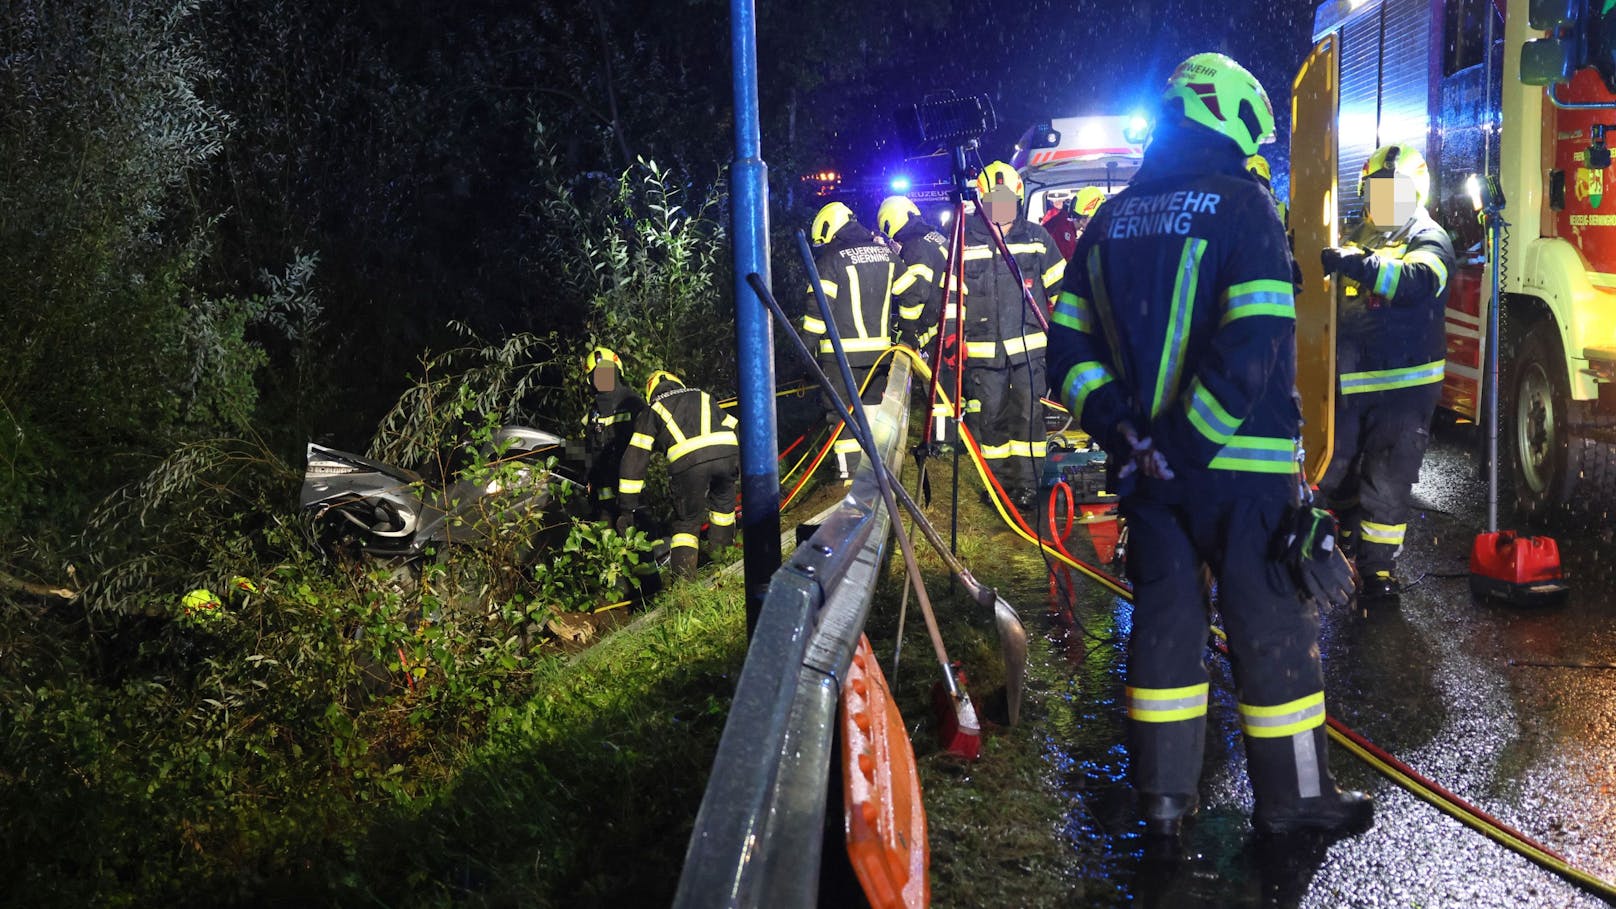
[[1295, 792], [682, 562], [720, 537]]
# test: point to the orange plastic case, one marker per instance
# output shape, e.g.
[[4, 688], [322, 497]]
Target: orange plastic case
[[884, 813]]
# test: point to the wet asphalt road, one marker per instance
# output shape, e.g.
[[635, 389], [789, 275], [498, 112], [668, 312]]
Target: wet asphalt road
[[1434, 684]]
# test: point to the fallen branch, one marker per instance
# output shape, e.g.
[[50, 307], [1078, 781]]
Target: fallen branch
[[9, 582]]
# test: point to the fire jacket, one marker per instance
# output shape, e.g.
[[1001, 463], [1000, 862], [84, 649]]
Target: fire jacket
[[1178, 316], [1393, 331], [919, 290], [684, 422], [857, 272], [607, 430], [998, 327]]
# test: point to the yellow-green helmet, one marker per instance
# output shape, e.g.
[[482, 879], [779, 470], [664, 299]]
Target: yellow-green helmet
[[599, 355], [656, 380], [831, 219], [999, 174], [1088, 201], [1402, 160], [894, 214], [1222, 96], [1258, 165]]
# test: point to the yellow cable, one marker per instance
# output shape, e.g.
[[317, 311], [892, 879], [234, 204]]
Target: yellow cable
[[1391, 772]]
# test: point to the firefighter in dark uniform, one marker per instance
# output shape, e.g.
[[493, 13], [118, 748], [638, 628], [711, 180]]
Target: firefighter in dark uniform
[[1173, 343], [704, 460], [1390, 355], [1004, 341], [857, 272], [919, 292], [607, 428]]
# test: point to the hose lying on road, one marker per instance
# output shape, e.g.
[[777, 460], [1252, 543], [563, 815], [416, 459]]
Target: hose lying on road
[[1377, 758]]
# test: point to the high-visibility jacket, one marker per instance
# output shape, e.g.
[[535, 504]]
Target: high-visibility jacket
[[998, 327], [919, 290], [857, 272], [1392, 331], [1178, 316], [687, 424]]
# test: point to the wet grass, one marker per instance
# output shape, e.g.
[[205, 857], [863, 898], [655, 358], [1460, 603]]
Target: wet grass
[[996, 825], [585, 794]]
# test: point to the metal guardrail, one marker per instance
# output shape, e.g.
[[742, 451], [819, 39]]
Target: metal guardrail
[[759, 833]]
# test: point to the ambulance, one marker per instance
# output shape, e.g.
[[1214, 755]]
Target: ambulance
[[1057, 158]]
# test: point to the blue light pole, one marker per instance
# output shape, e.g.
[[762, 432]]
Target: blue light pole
[[754, 339]]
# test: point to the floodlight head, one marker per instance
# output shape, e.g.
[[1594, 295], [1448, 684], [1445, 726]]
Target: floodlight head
[[941, 123]]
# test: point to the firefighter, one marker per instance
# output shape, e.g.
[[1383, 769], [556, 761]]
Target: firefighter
[[919, 292], [1390, 355], [607, 428], [704, 460], [1004, 349], [857, 272], [1173, 344], [1066, 214], [1258, 167]]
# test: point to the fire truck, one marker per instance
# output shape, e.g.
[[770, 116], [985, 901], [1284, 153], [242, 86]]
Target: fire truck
[[1517, 92]]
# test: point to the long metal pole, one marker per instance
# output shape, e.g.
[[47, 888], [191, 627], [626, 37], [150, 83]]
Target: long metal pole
[[754, 340], [1495, 224]]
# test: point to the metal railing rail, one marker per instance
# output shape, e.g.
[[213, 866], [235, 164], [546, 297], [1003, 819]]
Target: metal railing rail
[[759, 832]]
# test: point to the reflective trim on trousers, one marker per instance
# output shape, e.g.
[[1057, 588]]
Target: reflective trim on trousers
[[1281, 720], [1167, 705]]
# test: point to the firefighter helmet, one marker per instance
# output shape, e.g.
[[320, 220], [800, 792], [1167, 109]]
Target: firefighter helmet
[[1400, 160], [656, 381], [600, 355], [1258, 165], [1222, 96], [830, 220], [894, 214], [1088, 201], [999, 174]]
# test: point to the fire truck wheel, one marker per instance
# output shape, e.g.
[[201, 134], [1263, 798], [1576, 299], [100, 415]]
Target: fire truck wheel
[[1550, 466]]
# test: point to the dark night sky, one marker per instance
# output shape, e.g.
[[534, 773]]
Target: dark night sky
[[1054, 58]]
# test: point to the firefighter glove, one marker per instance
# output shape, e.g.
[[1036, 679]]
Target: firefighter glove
[[624, 522], [1310, 547], [1346, 261]]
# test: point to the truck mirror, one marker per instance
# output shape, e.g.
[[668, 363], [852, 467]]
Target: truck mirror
[[1545, 61]]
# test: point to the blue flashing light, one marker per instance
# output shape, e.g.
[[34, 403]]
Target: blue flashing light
[[900, 184], [1137, 130]]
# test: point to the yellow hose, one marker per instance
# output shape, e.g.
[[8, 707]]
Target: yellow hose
[[1491, 830]]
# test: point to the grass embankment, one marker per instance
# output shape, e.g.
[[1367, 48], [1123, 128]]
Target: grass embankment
[[211, 778], [995, 825]]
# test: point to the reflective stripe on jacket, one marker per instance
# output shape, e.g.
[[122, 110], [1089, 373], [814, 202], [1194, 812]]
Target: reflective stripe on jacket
[[688, 425], [998, 327], [1393, 326], [857, 272], [1178, 316]]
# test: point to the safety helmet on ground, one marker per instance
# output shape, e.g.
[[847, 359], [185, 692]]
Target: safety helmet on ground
[[656, 381], [999, 174], [1258, 165], [600, 355], [894, 214], [830, 220], [1088, 201], [1401, 160], [1222, 96]]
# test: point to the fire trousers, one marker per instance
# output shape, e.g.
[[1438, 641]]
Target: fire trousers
[[703, 492], [1380, 441], [1273, 637], [846, 445], [1006, 412]]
